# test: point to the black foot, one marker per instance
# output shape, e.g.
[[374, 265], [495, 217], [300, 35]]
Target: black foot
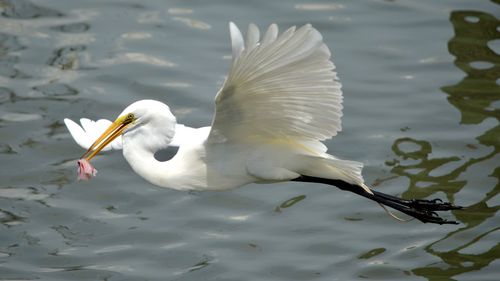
[[431, 205], [421, 209]]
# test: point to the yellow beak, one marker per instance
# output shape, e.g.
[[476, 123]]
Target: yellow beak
[[111, 133]]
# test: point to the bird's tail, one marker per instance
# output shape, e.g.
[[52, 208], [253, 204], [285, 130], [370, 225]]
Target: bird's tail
[[331, 167]]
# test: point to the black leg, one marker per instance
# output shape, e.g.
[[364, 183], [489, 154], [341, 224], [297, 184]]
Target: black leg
[[423, 210]]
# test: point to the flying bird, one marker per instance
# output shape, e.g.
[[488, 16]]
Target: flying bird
[[280, 100]]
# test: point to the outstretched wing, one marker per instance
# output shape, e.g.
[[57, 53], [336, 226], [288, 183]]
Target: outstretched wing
[[90, 130], [278, 86]]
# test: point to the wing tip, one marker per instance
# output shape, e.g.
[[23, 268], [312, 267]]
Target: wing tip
[[237, 43], [67, 120], [232, 25], [77, 133]]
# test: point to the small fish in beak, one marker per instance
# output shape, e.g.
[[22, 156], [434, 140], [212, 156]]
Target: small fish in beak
[[85, 170]]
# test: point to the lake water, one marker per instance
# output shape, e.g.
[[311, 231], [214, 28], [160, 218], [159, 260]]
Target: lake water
[[421, 86]]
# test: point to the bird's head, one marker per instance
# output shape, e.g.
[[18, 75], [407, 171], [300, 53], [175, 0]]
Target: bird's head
[[148, 122]]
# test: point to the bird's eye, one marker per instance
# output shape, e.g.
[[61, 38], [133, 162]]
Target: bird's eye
[[130, 117]]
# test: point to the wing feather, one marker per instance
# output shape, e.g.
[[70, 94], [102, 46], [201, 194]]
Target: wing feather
[[284, 86], [236, 40], [253, 36], [77, 133], [271, 35], [88, 131]]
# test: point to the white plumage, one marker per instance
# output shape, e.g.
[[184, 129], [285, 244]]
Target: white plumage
[[283, 87], [281, 98], [90, 130]]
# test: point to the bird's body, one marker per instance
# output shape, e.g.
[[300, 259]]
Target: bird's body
[[281, 99], [204, 163]]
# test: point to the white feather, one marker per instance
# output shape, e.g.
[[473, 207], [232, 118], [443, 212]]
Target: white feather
[[185, 134], [271, 35], [78, 134], [280, 100], [285, 88], [89, 130], [253, 36], [236, 40]]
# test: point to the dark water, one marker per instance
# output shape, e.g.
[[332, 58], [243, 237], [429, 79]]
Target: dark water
[[421, 83]]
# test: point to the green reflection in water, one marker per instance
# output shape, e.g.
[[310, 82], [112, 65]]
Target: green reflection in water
[[474, 97], [372, 253], [289, 203]]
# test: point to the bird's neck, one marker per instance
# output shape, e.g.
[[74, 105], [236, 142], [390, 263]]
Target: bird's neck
[[143, 162], [170, 174]]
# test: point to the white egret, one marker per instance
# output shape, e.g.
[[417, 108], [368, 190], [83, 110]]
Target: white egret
[[280, 100]]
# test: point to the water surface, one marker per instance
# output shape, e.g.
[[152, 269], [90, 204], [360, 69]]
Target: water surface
[[421, 87]]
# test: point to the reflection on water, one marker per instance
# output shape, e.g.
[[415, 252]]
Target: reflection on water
[[289, 203], [474, 97], [22, 9]]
